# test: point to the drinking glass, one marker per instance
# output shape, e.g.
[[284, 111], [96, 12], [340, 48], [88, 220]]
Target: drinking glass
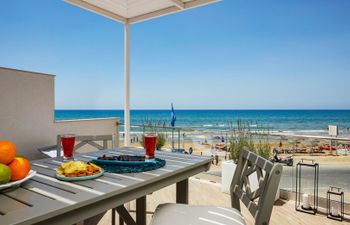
[[68, 141], [150, 141]]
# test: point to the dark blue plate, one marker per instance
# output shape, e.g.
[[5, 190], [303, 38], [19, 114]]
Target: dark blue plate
[[115, 166], [124, 163]]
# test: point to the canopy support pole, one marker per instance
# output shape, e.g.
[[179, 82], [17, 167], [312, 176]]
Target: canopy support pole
[[127, 84]]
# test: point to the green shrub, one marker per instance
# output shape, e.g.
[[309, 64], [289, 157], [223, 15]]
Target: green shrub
[[264, 149], [242, 138], [142, 141], [161, 139]]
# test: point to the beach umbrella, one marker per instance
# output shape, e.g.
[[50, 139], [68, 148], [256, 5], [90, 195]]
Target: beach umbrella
[[201, 137], [172, 123], [129, 12], [173, 116]]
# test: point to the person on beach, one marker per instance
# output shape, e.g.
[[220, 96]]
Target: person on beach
[[213, 150], [275, 152], [280, 146], [216, 159], [190, 150]]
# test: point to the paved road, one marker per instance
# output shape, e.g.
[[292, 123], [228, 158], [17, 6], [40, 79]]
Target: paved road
[[330, 175]]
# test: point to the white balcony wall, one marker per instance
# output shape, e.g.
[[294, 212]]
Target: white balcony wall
[[27, 113]]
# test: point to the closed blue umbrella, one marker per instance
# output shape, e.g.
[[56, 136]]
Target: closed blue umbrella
[[173, 116]]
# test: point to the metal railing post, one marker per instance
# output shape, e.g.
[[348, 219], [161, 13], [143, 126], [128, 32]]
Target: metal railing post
[[178, 139]]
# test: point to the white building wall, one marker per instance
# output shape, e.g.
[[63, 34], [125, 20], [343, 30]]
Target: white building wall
[[27, 113]]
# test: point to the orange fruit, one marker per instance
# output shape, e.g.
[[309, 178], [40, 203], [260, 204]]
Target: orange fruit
[[7, 152], [19, 167]]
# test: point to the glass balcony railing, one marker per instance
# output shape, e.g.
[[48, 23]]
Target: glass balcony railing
[[334, 170]]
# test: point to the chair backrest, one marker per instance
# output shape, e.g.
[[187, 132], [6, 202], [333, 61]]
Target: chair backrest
[[81, 141], [260, 201]]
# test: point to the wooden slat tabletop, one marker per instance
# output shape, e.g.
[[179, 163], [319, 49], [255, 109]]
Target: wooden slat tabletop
[[44, 197]]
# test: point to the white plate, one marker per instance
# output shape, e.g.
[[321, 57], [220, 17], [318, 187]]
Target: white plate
[[18, 182], [80, 178]]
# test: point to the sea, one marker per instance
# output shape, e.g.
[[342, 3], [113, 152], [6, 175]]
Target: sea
[[279, 120]]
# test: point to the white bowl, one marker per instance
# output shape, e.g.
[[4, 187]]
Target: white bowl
[[18, 182]]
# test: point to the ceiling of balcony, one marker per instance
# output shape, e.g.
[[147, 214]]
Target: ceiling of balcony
[[132, 11]]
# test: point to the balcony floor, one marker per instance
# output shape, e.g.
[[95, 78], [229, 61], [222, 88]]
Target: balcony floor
[[283, 211]]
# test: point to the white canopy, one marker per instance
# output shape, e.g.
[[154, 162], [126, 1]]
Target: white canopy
[[134, 11]]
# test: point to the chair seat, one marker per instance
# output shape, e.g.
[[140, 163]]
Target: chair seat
[[174, 214]]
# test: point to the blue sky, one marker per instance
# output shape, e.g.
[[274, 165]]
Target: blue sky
[[236, 54]]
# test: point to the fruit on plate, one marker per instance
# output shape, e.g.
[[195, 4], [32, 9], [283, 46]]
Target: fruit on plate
[[78, 169], [7, 152], [5, 174], [20, 168], [12, 168]]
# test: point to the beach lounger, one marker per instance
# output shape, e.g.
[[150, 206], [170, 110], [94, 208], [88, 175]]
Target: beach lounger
[[288, 160], [259, 202]]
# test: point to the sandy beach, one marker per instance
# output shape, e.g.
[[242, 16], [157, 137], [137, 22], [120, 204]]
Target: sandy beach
[[325, 158]]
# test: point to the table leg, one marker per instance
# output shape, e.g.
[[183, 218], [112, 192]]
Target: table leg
[[113, 216], [121, 221], [141, 211], [93, 220], [182, 192], [124, 214]]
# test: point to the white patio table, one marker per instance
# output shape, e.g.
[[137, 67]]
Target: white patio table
[[46, 200]]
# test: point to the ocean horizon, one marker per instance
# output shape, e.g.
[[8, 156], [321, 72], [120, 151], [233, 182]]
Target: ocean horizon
[[275, 119]]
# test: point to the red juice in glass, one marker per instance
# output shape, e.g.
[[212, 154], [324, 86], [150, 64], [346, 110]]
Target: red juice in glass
[[68, 141], [150, 142]]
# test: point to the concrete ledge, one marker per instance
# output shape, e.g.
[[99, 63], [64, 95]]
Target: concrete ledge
[[27, 71], [91, 119]]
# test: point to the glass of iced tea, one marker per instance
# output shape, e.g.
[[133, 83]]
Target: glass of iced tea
[[150, 141], [68, 141]]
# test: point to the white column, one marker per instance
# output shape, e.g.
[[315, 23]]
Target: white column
[[127, 84]]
